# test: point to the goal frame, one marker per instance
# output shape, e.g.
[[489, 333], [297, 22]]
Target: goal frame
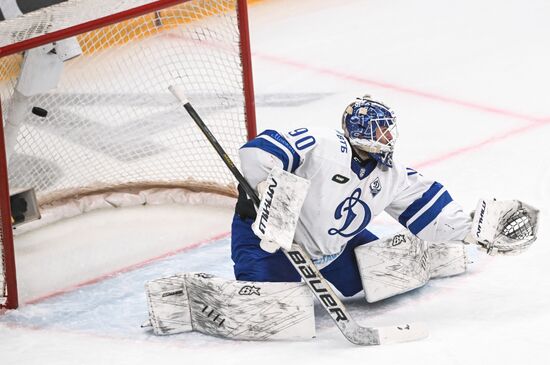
[[6, 234]]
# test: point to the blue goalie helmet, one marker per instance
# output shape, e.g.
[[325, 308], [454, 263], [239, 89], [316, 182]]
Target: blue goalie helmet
[[370, 127]]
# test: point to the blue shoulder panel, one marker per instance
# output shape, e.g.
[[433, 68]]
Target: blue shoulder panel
[[276, 136], [266, 145], [270, 148]]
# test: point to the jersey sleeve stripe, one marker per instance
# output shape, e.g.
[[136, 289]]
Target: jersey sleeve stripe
[[419, 203], [431, 213], [270, 148], [277, 139]]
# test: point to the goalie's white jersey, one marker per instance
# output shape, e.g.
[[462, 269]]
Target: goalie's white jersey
[[346, 193]]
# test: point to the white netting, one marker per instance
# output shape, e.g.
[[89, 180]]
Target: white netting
[[61, 16], [111, 122]]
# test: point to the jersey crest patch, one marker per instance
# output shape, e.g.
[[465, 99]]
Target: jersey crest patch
[[375, 187], [355, 214]]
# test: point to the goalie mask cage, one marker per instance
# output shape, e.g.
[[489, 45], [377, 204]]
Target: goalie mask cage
[[107, 122]]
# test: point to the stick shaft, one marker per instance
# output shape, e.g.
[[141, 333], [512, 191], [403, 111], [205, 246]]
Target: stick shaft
[[221, 152]]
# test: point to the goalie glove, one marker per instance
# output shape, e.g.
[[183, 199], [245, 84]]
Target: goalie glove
[[503, 227]]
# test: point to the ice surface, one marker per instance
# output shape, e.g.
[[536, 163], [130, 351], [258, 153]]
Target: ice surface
[[469, 82]]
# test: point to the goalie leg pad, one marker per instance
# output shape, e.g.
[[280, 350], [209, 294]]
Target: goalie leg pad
[[403, 262], [168, 305], [243, 310], [447, 259], [393, 265]]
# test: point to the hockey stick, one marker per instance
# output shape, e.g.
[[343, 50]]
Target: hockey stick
[[308, 271]]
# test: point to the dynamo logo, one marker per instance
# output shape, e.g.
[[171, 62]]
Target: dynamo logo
[[355, 214]]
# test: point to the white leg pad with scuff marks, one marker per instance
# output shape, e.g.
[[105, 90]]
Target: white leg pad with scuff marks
[[447, 259], [393, 265], [233, 309], [403, 262], [168, 305]]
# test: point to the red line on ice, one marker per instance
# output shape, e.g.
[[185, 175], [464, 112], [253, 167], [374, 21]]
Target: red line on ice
[[128, 268], [402, 89], [534, 121], [480, 144]]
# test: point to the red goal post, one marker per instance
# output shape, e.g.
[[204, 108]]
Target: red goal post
[[86, 108]]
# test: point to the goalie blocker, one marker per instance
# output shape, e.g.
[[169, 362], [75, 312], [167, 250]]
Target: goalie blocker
[[283, 195]]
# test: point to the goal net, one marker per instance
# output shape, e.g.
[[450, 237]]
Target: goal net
[[86, 107]]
